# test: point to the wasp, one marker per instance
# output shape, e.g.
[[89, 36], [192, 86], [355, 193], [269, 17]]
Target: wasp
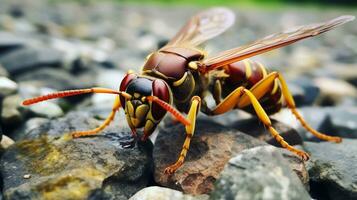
[[176, 79]]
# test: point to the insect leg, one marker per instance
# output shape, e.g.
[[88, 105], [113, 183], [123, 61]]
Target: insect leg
[[239, 94], [291, 104], [190, 129], [108, 120], [265, 119]]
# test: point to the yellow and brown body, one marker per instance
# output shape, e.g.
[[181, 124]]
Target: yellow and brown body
[[246, 73]]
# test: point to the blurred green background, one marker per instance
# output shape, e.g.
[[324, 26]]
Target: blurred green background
[[253, 3]]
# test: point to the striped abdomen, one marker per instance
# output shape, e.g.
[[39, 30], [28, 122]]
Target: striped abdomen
[[247, 73]]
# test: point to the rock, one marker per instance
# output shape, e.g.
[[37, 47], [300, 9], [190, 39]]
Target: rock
[[30, 125], [7, 86], [26, 59], [334, 121], [11, 114], [127, 59], [161, 193], [110, 78], [311, 59], [297, 92], [27, 90], [63, 168], [333, 90], [46, 109], [343, 121], [347, 72], [333, 169], [254, 127], [58, 79], [309, 94], [10, 41], [258, 173], [3, 71], [6, 142], [211, 148]]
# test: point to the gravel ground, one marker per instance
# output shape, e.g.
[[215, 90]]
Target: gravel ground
[[47, 46]]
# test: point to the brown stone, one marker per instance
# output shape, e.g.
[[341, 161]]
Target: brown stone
[[211, 148]]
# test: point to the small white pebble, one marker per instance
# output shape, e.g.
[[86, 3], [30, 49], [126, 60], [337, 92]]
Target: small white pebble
[[27, 176]]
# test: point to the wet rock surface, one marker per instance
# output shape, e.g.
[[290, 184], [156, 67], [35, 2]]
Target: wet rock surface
[[48, 164], [50, 46]]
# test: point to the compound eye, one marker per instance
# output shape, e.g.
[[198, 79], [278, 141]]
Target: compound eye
[[161, 90], [124, 84]]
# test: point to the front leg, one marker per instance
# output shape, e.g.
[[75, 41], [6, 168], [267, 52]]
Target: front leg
[[108, 120], [190, 129]]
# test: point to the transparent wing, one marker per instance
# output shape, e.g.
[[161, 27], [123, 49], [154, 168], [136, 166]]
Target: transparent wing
[[203, 26], [271, 42]]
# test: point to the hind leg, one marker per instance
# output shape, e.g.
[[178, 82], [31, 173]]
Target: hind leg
[[233, 99], [265, 84], [291, 105]]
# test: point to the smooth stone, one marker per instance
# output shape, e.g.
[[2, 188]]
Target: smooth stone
[[334, 121], [161, 193], [310, 91], [258, 173], [332, 169], [10, 41], [7, 86], [27, 59], [6, 142], [46, 109], [64, 168], [11, 115], [311, 59], [58, 79], [3, 71], [110, 78], [334, 90]]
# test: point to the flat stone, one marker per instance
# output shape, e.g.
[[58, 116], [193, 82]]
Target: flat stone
[[54, 78], [64, 168], [258, 173], [10, 41], [46, 109], [334, 90], [6, 142], [26, 59], [7, 86], [332, 169], [11, 114], [3, 71], [161, 193]]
